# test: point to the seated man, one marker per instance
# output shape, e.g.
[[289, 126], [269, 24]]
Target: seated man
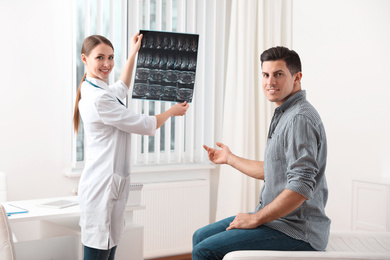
[[290, 214]]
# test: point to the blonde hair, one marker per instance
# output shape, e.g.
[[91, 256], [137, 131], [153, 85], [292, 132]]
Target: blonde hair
[[88, 45]]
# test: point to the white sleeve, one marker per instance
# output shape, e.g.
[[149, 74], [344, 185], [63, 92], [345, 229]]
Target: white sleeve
[[119, 89], [111, 112]]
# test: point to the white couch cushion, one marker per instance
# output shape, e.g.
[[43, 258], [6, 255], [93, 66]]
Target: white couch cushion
[[342, 245]]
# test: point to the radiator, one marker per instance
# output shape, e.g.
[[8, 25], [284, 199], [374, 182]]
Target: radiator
[[174, 210]]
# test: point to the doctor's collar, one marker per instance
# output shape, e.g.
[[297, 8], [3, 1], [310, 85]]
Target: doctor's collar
[[98, 82]]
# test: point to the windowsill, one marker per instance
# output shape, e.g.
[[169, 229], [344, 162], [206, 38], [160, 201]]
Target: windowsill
[[76, 173]]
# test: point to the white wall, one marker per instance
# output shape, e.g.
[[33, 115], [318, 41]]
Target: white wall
[[344, 47], [36, 86], [346, 65]]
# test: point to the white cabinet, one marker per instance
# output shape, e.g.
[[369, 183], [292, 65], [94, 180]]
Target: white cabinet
[[371, 204]]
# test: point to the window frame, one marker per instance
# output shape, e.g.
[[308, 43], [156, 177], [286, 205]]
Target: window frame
[[205, 113]]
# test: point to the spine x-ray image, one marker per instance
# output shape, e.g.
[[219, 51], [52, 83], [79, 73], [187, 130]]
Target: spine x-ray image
[[166, 66]]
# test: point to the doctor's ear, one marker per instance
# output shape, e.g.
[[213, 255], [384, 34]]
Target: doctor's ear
[[84, 58]]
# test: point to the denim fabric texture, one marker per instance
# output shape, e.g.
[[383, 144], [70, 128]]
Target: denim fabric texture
[[98, 254], [213, 242]]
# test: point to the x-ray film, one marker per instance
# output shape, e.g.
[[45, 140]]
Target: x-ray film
[[166, 66]]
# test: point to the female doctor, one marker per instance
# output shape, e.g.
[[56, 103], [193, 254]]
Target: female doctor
[[105, 181]]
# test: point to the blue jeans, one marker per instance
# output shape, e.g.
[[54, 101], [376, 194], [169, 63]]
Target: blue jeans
[[214, 241], [97, 254]]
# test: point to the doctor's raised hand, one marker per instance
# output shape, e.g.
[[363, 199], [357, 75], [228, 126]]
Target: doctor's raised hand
[[129, 66]]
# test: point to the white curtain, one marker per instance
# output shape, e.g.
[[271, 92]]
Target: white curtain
[[254, 26]]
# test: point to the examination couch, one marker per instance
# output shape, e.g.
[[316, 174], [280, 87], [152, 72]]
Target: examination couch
[[342, 245]]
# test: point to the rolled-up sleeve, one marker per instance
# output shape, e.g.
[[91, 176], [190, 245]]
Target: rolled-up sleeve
[[302, 141], [295, 159]]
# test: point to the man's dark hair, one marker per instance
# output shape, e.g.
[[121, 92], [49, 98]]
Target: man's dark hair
[[293, 62]]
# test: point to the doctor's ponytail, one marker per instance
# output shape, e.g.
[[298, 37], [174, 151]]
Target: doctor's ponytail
[[76, 113], [88, 45]]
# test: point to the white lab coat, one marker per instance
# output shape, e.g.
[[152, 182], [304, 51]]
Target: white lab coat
[[105, 181]]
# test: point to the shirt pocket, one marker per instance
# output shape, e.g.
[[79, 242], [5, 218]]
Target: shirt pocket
[[119, 186], [273, 149]]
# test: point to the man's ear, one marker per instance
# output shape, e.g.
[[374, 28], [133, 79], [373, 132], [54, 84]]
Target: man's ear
[[298, 77]]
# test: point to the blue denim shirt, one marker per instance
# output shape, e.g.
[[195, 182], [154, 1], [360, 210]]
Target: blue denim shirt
[[295, 159]]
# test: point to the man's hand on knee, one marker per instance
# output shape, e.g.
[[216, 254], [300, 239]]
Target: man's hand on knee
[[243, 221]]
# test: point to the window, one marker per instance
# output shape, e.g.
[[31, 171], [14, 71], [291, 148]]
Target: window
[[180, 139], [96, 17]]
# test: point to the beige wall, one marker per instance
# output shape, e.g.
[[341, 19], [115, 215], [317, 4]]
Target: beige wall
[[344, 47], [36, 86]]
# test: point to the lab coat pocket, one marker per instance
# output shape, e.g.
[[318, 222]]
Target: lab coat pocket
[[119, 186]]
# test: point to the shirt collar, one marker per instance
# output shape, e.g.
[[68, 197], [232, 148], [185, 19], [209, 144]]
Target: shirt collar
[[291, 100], [99, 83]]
